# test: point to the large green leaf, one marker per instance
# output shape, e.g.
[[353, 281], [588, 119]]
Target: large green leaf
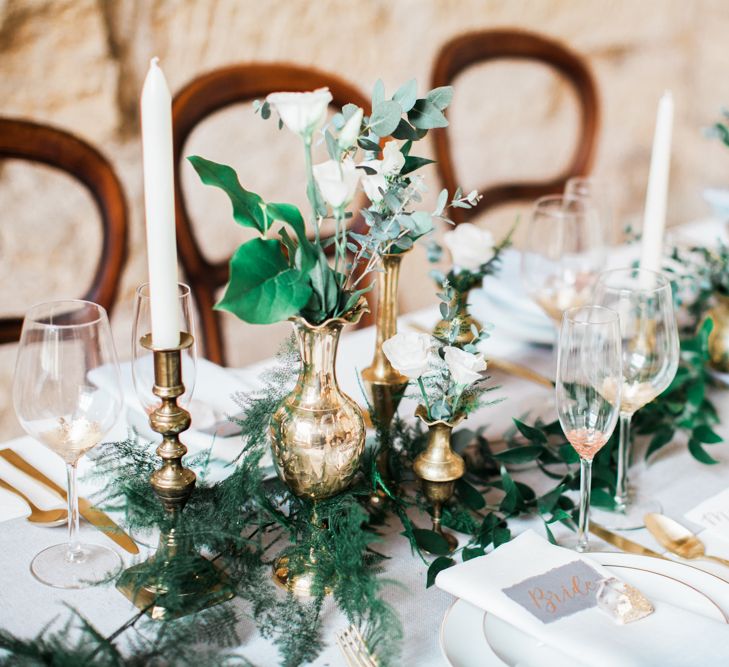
[[247, 206], [385, 118], [425, 116], [263, 288]]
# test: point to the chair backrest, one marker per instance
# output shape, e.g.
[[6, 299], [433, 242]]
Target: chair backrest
[[472, 48], [198, 99], [24, 140]]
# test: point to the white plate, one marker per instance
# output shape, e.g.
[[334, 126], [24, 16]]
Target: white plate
[[464, 644]]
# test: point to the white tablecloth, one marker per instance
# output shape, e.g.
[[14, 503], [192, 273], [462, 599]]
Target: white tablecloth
[[674, 477]]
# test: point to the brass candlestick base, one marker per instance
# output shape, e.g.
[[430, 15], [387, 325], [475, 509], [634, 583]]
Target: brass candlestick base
[[175, 567], [438, 468], [719, 336], [301, 582]]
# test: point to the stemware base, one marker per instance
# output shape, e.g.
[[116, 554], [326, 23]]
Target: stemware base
[[91, 566], [632, 518], [572, 543]]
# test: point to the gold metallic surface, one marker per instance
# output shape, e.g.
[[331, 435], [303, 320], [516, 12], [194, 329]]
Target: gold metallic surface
[[301, 582], [98, 519], [678, 539], [719, 336], [622, 543], [318, 433], [438, 468], [204, 585], [463, 320]]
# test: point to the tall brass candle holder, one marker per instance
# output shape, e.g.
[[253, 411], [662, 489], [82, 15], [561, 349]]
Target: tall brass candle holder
[[438, 468], [385, 386], [195, 582]]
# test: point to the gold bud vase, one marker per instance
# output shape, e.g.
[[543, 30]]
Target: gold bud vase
[[719, 336], [463, 320], [318, 432], [438, 468]]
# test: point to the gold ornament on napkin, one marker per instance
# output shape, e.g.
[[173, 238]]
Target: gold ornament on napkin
[[623, 602]]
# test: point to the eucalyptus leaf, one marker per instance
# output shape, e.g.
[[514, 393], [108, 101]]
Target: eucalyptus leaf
[[378, 93], [405, 131], [426, 116], [413, 163], [441, 97], [385, 118], [406, 95]]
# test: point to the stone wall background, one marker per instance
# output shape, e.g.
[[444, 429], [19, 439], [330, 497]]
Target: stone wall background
[[79, 64]]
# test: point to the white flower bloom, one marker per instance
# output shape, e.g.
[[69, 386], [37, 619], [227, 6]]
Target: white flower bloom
[[409, 353], [392, 159], [301, 112], [349, 133], [372, 183], [470, 246], [337, 181], [465, 367]]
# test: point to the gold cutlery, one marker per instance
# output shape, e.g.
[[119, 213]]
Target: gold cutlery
[[678, 539], [508, 367], [94, 516], [623, 543], [355, 651], [38, 516]]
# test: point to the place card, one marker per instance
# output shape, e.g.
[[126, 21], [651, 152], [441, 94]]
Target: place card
[[713, 514], [559, 592]]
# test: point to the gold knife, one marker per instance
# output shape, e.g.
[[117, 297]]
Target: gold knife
[[93, 515], [623, 543]]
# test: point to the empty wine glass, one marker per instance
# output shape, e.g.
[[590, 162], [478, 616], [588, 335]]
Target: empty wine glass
[[588, 361], [143, 358], [595, 193], [564, 253], [66, 349], [650, 344]]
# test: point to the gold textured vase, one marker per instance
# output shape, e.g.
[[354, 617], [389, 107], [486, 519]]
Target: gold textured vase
[[438, 468], [463, 320], [719, 336], [318, 432]]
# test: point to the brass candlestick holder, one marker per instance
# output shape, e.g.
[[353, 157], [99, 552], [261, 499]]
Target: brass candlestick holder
[[438, 468], [195, 582], [385, 386]]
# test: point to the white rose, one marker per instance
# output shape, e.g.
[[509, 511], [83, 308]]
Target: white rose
[[373, 183], [349, 133], [337, 181], [409, 353], [465, 367], [301, 112], [470, 246], [392, 159]]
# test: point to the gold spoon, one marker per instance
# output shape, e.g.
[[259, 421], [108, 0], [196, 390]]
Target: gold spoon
[[37, 515], [678, 539]]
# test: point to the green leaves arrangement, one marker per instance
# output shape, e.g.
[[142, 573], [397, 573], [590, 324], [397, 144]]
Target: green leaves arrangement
[[288, 270]]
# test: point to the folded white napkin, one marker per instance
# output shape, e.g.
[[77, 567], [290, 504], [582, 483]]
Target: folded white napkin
[[670, 637]]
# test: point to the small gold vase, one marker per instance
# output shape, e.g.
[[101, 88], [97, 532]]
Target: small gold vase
[[317, 436], [463, 320], [438, 468], [719, 336]]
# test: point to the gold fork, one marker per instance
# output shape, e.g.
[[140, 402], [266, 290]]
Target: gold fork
[[355, 650]]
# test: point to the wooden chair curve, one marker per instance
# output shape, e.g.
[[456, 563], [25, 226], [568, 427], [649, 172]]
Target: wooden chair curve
[[476, 47], [198, 99], [57, 148]]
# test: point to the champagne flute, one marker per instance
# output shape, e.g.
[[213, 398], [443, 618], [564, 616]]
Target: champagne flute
[[644, 302], [564, 253], [65, 347], [589, 358], [143, 358]]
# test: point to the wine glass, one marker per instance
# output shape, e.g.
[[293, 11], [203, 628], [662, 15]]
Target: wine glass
[[65, 346], [595, 193], [564, 253], [588, 361], [143, 358], [644, 302]]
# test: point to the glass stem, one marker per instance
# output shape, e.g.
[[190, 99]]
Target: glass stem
[[74, 551], [621, 486], [583, 525]]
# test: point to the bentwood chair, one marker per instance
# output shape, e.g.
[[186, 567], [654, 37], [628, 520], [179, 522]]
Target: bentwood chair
[[24, 140], [477, 47], [196, 101]]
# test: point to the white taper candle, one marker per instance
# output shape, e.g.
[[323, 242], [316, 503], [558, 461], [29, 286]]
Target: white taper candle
[[159, 204], [654, 216]]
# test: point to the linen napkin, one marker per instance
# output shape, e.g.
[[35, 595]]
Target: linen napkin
[[670, 637]]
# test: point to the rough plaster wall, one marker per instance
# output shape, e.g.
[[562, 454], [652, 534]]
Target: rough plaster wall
[[79, 64]]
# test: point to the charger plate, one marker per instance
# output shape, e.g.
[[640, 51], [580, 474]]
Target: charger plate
[[464, 644]]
